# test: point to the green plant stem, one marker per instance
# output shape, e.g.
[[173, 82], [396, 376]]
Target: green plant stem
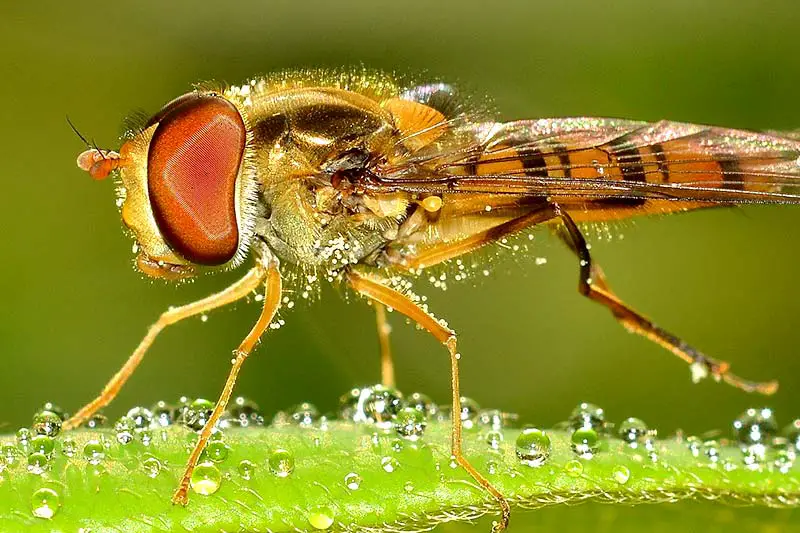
[[358, 478]]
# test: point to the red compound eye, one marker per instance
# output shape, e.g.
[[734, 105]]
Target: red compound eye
[[192, 164]]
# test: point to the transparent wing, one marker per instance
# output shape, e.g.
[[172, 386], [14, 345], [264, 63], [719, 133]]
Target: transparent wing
[[596, 158]]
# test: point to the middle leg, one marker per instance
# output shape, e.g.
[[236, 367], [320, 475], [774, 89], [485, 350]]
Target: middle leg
[[378, 292]]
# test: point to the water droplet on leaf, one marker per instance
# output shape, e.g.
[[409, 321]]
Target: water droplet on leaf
[[533, 447], [206, 479]]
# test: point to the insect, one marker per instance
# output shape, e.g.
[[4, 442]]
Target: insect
[[356, 178]]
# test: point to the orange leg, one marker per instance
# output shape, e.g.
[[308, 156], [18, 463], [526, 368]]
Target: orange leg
[[272, 302], [237, 291], [384, 329], [377, 291], [593, 285]]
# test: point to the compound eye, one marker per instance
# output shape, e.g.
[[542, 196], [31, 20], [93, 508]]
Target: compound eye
[[192, 164]]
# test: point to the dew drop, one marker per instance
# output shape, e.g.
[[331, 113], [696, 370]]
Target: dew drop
[[142, 418], [45, 503], [47, 423], [216, 451], [695, 445], [281, 462], [470, 411], [533, 447], [389, 464], [9, 454], [380, 405], [422, 402], [711, 450], [494, 439], [352, 481], [585, 442], [754, 455], [164, 414], [408, 486], [587, 415], [206, 479], [321, 517], [755, 426], [94, 451], [55, 409], [621, 474], [124, 430], [491, 418], [23, 438], [42, 444], [305, 415], [37, 463], [410, 423], [96, 421], [246, 469], [197, 414], [573, 468], [792, 434], [633, 432], [151, 467], [69, 447], [243, 413]]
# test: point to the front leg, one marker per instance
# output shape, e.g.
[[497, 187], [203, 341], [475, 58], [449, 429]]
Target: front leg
[[272, 301]]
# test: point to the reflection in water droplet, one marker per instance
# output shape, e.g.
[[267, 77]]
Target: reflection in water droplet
[[45, 503], [792, 434], [573, 468], [37, 463], [164, 414], [9, 454], [621, 474], [587, 415], [352, 481], [389, 464], [23, 438], [94, 451], [755, 426], [321, 517], [216, 451], [305, 414], [494, 439], [408, 486], [585, 442], [533, 447], [96, 421], [711, 450], [491, 418], [151, 467], [469, 413], [47, 423], [246, 469], [206, 479], [142, 418], [410, 423], [197, 414], [69, 447], [124, 430], [42, 444], [632, 431], [694, 445], [422, 402], [281, 463], [242, 413]]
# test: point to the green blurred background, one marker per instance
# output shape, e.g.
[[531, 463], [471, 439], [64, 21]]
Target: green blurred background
[[726, 280]]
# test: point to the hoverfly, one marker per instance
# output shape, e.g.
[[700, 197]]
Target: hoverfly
[[354, 177]]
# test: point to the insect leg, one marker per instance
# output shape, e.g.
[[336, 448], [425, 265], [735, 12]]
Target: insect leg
[[593, 285], [376, 291], [272, 301], [235, 292], [384, 329]]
